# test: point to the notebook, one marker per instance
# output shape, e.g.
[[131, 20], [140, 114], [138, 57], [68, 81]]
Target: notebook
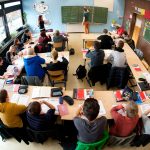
[[39, 92], [82, 94]]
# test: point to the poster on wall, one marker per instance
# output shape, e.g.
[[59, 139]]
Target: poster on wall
[[104, 3], [146, 33]]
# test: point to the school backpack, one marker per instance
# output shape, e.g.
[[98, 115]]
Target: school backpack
[[81, 72], [71, 51]]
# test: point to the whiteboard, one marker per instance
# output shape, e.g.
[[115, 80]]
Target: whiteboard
[[104, 3]]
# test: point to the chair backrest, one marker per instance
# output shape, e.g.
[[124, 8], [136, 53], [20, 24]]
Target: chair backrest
[[92, 146], [89, 44], [31, 80], [58, 44], [38, 136], [118, 77], [56, 75]]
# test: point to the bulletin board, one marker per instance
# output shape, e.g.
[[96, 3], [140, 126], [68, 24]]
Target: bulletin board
[[146, 33]]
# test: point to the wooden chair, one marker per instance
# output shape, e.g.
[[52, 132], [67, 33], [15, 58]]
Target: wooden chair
[[58, 46], [56, 77], [89, 44]]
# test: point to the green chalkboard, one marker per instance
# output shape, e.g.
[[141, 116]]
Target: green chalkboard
[[74, 14], [146, 33]]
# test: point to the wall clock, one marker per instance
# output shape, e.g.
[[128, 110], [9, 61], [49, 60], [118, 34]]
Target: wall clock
[[41, 7]]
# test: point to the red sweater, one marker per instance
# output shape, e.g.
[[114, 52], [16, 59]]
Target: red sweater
[[123, 125]]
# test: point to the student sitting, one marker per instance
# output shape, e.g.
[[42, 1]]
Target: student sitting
[[43, 41], [18, 45], [10, 112], [37, 120], [128, 40], [118, 58], [26, 37], [56, 64], [106, 40], [96, 56], [11, 55], [59, 38], [90, 128], [120, 30], [32, 64], [2, 68], [125, 122]]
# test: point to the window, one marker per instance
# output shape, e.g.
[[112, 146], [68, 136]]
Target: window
[[11, 4], [2, 30], [14, 20]]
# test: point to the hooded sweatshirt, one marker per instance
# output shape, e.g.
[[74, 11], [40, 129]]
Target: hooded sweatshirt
[[33, 66]]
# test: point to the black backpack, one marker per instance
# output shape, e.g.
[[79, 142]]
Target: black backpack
[[71, 51], [81, 72]]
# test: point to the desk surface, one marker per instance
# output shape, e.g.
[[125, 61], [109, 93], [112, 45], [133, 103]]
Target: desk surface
[[107, 98]]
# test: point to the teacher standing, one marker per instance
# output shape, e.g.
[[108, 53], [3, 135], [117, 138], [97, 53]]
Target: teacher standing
[[41, 22], [85, 21]]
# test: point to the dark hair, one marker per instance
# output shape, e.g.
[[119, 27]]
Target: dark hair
[[125, 33], [43, 33], [1, 59], [120, 44], [85, 9], [15, 41], [26, 31], [40, 18], [34, 108], [97, 45], [132, 109], [105, 31], [91, 108], [3, 96]]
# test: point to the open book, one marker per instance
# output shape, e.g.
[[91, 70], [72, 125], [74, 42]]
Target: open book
[[53, 101], [144, 108], [20, 99], [2, 82], [39, 92], [82, 94]]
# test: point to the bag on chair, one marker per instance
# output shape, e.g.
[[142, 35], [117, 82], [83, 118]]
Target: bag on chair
[[81, 72], [71, 51]]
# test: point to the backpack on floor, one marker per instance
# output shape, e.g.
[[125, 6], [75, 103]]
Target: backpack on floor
[[81, 72], [71, 51]]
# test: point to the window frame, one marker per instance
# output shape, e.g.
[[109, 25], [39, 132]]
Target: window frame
[[4, 11]]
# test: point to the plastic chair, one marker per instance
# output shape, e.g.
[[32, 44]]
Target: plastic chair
[[93, 146]]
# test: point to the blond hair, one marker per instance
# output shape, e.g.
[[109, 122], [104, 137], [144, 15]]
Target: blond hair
[[30, 51], [54, 54], [132, 109]]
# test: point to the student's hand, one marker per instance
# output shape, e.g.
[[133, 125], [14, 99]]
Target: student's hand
[[82, 23], [120, 106], [147, 112], [41, 101]]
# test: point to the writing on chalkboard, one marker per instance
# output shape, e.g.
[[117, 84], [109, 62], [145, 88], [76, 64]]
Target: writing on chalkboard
[[74, 14]]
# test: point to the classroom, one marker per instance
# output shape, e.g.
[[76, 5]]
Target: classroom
[[75, 74]]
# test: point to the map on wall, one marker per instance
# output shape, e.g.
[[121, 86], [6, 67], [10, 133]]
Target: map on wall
[[105, 3], [41, 7]]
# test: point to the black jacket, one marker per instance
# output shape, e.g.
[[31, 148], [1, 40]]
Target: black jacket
[[106, 41]]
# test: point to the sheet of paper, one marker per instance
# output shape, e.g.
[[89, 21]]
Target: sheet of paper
[[102, 109], [36, 92], [15, 98], [2, 82], [45, 92], [53, 101], [144, 108], [23, 100]]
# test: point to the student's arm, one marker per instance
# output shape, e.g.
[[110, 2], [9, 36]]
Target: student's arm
[[65, 61], [41, 60], [99, 38], [8, 58], [19, 109], [114, 112], [110, 58], [79, 112], [48, 104], [89, 54]]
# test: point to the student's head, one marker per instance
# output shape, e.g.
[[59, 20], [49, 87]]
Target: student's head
[[97, 45], [105, 31], [132, 109], [85, 9], [16, 41], [120, 44], [30, 51], [1, 61], [34, 108], [43, 33], [27, 32], [54, 54], [91, 108], [40, 18], [57, 33], [12, 48], [3, 96]]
